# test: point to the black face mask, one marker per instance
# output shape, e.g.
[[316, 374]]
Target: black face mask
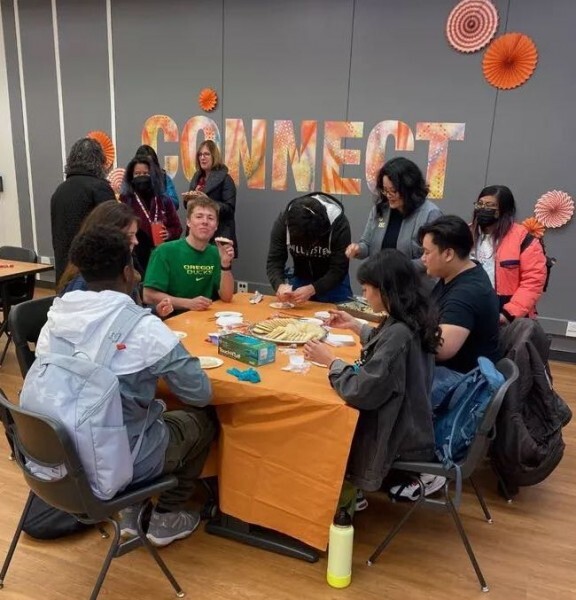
[[143, 185], [486, 216]]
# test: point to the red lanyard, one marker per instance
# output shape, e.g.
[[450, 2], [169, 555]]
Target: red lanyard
[[146, 213]]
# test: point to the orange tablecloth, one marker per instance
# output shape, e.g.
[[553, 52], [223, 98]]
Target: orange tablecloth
[[284, 441]]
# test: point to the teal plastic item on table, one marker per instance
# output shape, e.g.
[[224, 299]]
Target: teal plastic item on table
[[250, 375]]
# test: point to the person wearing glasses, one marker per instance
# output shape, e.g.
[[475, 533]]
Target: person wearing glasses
[[399, 211], [513, 259], [212, 178]]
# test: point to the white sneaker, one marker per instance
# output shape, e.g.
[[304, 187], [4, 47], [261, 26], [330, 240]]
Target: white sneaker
[[361, 502], [411, 490]]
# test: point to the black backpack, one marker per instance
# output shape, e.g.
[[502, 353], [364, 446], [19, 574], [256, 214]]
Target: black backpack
[[550, 260]]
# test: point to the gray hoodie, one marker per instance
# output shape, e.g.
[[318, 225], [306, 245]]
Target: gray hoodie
[[150, 351]]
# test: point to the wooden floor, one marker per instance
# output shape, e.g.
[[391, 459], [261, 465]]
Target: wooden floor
[[528, 553]]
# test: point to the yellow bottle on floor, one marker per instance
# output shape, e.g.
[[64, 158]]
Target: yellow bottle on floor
[[339, 571]]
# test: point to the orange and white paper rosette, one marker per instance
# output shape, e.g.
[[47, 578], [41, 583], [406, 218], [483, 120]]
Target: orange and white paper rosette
[[510, 61], [104, 140], [554, 209], [471, 25], [208, 99], [115, 177]]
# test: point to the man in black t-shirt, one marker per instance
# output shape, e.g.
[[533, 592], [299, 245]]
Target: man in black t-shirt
[[466, 299]]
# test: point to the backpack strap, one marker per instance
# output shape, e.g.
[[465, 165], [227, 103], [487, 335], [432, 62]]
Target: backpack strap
[[122, 325]]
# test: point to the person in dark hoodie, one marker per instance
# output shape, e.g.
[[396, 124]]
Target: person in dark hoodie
[[211, 177], [316, 233], [85, 187]]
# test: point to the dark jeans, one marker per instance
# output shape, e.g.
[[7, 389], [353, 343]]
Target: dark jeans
[[191, 432]]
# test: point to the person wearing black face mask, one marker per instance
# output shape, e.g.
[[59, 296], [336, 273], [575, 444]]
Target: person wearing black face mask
[[513, 259], [143, 191]]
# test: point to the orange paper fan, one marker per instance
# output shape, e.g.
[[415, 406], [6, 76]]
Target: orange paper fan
[[208, 99], [534, 227], [510, 61], [116, 177], [107, 145]]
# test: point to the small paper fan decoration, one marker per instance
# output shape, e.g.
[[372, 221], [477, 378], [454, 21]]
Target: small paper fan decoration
[[554, 209], [534, 227], [510, 61], [208, 99], [104, 140], [115, 177], [471, 25]]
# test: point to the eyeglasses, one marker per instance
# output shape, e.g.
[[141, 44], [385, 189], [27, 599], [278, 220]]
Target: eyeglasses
[[204, 154], [388, 192], [479, 204]]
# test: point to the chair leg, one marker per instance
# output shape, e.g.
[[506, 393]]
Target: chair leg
[[109, 556], [397, 527], [452, 510], [481, 500], [15, 539], [5, 348], [154, 553]]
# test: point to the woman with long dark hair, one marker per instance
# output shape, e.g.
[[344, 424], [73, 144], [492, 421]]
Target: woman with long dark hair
[[399, 210], [169, 187], [513, 259], [390, 383], [143, 191]]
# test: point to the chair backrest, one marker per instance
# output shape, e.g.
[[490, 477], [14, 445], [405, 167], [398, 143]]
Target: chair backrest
[[484, 434], [17, 253], [44, 441], [21, 289], [24, 323]]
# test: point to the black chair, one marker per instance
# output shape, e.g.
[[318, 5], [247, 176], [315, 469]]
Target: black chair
[[465, 469], [24, 324], [44, 441], [17, 290]]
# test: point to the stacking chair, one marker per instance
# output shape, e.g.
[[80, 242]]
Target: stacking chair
[[25, 322], [474, 457], [15, 291], [44, 441]]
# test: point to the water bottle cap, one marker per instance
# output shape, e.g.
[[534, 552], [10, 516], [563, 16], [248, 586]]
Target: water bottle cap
[[342, 518]]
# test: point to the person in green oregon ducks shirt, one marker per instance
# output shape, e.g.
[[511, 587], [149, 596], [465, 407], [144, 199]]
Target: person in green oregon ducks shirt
[[191, 271]]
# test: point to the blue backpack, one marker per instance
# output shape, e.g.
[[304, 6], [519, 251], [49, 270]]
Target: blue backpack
[[459, 401]]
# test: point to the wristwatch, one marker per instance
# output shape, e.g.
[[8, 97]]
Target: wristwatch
[[223, 268]]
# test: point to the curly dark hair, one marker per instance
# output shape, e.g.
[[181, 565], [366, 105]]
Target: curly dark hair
[[87, 157], [101, 254], [407, 180], [402, 295]]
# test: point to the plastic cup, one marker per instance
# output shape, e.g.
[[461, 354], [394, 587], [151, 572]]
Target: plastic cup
[[157, 227]]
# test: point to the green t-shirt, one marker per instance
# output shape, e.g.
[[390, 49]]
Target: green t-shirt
[[182, 271]]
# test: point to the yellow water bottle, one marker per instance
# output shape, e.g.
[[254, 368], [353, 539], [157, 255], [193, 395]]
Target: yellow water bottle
[[339, 572]]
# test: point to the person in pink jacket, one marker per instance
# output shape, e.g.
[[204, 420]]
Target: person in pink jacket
[[513, 259]]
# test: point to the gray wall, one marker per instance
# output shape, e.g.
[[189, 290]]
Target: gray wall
[[324, 60]]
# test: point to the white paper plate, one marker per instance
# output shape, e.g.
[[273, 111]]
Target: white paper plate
[[322, 315], [229, 321], [180, 334], [282, 305], [210, 362], [228, 313], [312, 320]]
